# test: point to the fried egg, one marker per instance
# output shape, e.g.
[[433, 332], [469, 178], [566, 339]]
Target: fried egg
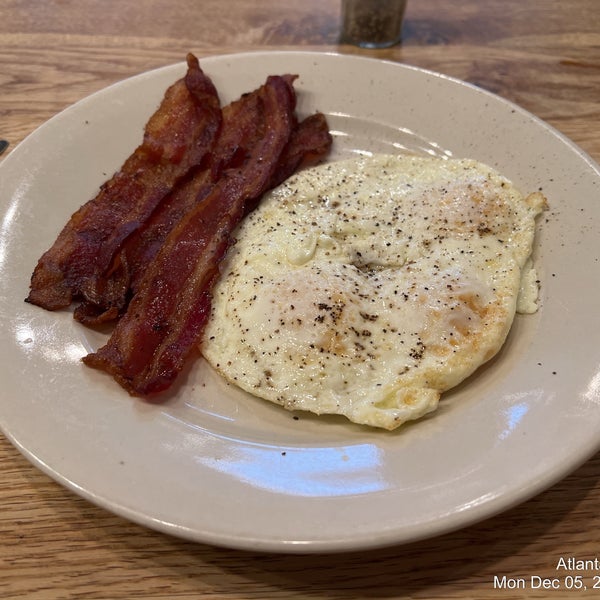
[[368, 287]]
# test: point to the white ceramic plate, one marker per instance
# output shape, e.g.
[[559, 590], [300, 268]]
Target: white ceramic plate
[[215, 465]]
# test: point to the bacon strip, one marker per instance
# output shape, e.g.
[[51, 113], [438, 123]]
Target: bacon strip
[[165, 319], [243, 126], [177, 138]]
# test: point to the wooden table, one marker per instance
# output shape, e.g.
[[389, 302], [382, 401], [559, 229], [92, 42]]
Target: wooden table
[[542, 54]]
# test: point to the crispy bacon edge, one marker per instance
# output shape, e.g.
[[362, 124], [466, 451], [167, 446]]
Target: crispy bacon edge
[[176, 138]]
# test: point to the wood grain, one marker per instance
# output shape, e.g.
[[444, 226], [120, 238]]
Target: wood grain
[[543, 55]]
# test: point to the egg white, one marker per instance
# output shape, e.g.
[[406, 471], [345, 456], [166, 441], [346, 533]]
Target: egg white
[[368, 287]]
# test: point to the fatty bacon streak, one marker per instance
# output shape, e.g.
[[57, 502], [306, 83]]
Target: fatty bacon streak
[[165, 319], [176, 139]]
